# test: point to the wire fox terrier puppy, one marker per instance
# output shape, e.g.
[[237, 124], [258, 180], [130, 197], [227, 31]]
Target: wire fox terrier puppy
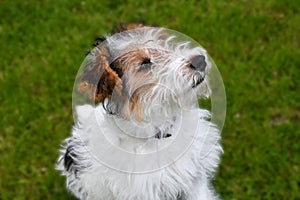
[[141, 135]]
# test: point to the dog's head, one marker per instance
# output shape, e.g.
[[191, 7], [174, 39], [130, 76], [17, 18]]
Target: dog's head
[[143, 71]]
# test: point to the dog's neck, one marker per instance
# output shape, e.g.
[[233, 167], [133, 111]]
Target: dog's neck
[[161, 128], [165, 130]]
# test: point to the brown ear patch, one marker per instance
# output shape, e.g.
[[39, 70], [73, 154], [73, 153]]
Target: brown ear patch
[[98, 80], [126, 27]]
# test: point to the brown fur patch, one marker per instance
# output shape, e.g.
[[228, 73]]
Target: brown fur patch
[[98, 80], [127, 27], [131, 59], [135, 83], [135, 100], [121, 80]]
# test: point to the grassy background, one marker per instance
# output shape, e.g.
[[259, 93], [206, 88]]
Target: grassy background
[[255, 44]]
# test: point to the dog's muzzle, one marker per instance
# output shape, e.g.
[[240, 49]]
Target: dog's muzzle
[[198, 64]]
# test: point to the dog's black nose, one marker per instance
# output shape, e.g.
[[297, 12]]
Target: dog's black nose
[[198, 63]]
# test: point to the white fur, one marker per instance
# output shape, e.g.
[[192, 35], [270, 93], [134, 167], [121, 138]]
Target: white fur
[[112, 165]]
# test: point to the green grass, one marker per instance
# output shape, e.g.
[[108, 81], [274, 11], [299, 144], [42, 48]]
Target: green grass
[[255, 44]]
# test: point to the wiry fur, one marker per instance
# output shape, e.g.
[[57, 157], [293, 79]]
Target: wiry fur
[[156, 106]]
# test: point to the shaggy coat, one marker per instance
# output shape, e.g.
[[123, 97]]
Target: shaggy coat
[[140, 134]]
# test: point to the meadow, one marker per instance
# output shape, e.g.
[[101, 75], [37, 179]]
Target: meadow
[[255, 44]]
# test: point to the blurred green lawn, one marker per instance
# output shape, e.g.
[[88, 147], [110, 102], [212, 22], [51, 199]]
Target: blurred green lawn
[[255, 44]]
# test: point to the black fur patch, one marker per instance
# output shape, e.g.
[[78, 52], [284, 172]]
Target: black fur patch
[[75, 161], [68, 159], [87, 52], [99, 40], [116, 68]]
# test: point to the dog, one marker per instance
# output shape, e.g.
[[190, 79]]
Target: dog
[[139, 133]]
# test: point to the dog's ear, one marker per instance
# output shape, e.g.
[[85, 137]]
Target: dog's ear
[[98, 80]]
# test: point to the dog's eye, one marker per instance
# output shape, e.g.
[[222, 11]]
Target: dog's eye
[[145, 65]]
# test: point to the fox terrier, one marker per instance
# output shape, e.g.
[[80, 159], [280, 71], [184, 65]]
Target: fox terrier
[[139, 133]]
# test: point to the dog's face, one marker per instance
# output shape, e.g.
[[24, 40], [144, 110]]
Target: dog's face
[[144, 71]]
